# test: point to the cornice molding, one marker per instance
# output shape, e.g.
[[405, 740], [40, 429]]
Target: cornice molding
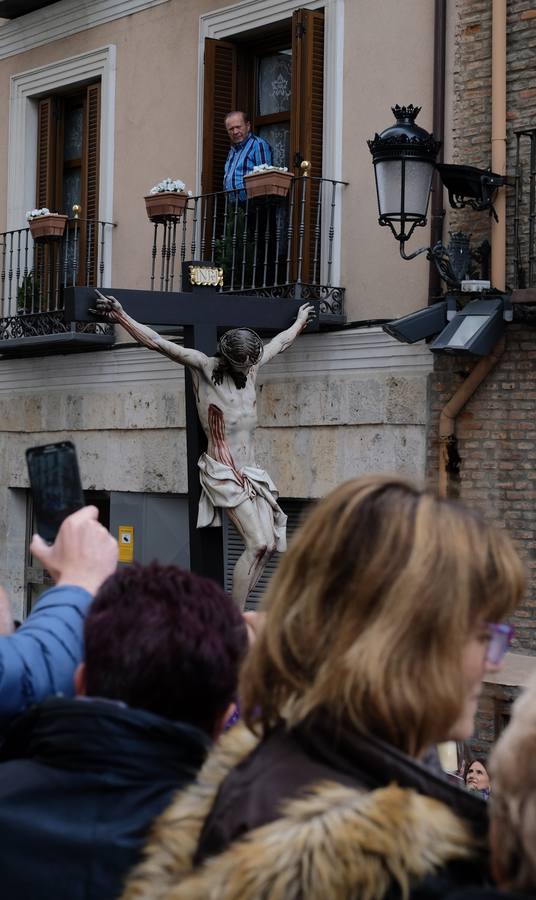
[[353, 352], [63, 19]]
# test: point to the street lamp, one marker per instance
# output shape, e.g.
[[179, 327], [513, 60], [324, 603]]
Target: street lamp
[[404, 160]]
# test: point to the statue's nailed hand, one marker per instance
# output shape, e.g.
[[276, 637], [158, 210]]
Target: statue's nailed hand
[[107, 307], [306, 314]]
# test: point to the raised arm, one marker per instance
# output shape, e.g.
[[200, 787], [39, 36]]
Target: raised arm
[[40, 658], [284, 339], [112, 310]]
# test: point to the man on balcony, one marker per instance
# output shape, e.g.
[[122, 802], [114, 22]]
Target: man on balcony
[[246, 151]]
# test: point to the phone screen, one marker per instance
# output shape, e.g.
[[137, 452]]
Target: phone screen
[[55, 485]]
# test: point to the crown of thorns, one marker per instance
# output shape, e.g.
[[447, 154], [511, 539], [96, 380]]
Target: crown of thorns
[[241, 346]]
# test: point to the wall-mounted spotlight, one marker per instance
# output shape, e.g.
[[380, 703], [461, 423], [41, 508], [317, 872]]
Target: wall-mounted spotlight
[[419, 325], [476, 328]]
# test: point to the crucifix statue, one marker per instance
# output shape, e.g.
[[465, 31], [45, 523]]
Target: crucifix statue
[[224, 388]]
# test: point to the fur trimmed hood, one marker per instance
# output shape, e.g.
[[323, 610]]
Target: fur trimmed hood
[[334, 842]]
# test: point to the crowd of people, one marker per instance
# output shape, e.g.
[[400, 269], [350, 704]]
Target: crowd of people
[[159, 744]]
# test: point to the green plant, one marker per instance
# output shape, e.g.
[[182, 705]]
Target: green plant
[[28, 294], [223, 255]]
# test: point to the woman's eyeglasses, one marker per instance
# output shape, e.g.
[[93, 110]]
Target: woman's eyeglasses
[[500, 637]]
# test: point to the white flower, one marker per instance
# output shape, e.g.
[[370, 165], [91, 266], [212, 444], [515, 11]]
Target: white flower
[[264, 167], [35, 213], [169, 184]]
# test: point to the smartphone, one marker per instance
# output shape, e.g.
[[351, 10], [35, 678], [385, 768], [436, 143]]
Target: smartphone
[[55, 485]]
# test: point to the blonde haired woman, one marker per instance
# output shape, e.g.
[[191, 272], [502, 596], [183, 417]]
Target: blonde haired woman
[[382, 620]]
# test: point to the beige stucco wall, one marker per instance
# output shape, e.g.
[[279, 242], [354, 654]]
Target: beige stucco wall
[[156, 130]]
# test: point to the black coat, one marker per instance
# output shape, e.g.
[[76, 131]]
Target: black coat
[[80, 782]]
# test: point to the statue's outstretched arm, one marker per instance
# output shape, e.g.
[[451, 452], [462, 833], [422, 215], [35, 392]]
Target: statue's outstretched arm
[[112, 310], [284, 339]]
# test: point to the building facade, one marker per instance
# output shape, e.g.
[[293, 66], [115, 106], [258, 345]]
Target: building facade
[[106, 99]]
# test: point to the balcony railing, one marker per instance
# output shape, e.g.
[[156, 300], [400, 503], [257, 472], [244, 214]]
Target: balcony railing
[[34, 274], [270, 246]]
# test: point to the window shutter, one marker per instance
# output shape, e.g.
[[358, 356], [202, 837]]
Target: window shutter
[[220, 97], [46, 154], [307, 87], [307, 123], [91, 152]]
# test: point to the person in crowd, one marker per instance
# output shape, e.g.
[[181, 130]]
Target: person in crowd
[[476, 777], [512, 808], [40, 657], [81, 779], [246, 151], [376, 640]]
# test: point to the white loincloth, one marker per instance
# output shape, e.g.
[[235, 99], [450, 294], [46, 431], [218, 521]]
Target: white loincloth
[[221, 489]]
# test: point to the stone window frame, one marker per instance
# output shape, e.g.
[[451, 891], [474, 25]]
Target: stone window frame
[[239, 17], [26, 88]]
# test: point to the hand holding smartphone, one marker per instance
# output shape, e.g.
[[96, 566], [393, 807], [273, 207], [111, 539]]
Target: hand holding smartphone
[[55, 485]]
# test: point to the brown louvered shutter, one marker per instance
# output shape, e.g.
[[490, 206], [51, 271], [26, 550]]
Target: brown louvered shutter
[[307, 87], [89, 237], [46, 154], [220, 97], [307, 120], [92, 152]]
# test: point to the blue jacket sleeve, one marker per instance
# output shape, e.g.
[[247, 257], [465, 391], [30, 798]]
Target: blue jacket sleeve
[[40, 658]]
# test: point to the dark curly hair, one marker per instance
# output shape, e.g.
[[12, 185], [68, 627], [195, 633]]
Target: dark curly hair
[[166, 640]]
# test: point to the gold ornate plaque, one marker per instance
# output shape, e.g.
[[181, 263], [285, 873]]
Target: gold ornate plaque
[[206, 276]]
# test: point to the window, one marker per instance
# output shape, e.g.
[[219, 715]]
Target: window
[[68, 151], [68, 145], [279, 80]]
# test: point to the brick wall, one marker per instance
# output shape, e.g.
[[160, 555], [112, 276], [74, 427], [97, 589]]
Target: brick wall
[[495, 471], [496, 443], [496, 432], [472, 104]]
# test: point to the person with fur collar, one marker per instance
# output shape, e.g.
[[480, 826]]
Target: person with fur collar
[[381, 624]]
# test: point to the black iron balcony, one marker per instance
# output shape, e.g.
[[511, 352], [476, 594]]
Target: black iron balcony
[[33, 277], [272, 246]]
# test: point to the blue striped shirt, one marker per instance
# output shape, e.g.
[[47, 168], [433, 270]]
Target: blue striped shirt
[[241, 159]]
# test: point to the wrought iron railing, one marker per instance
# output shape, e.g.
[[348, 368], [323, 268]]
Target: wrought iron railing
[[524, 231], [272, 246], [33, 276]]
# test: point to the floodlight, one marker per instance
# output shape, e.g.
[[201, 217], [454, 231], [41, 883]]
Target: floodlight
[[475, 329], [417, 326]]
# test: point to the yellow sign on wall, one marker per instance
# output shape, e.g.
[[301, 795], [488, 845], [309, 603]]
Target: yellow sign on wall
[[125, 539]]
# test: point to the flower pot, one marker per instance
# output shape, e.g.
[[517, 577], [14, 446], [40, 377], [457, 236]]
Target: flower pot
[[268, 184], [166, 204], [47, 227]]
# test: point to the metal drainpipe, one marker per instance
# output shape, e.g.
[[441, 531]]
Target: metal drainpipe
[[449, 413], [437, 212], [498, 140]]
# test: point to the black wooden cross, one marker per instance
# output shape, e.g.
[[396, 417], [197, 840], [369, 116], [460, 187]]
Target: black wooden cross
[[203, 313]]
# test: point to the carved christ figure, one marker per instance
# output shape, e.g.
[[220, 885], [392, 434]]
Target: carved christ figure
[[225, 394]]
